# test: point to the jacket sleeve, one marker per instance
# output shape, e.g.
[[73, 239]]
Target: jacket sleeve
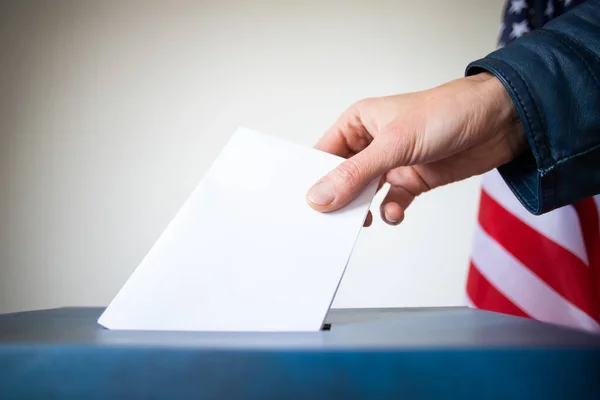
[[553, 78]]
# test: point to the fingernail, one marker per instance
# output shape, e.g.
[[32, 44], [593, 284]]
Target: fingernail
[[388, 217], [321, 193]]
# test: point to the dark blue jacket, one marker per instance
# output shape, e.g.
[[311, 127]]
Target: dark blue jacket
[[553, 76]]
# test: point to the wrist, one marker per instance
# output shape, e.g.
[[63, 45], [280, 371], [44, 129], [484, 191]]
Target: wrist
[[499, 115]]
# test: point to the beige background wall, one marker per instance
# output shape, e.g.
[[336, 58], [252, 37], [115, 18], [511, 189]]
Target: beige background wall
[[111, 111]]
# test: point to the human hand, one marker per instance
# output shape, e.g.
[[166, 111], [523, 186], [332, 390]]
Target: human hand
[[419, 141]]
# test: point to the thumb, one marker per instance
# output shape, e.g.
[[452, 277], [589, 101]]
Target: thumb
[[343, 184]]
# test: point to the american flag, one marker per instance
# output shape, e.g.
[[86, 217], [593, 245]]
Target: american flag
[[542, 267]]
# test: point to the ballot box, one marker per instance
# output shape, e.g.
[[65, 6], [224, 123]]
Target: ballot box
[[364, 354]]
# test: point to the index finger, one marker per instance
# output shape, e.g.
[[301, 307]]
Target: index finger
[[333, 142], [347, 136]]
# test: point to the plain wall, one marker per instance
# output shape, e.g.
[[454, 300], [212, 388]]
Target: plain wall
[[111, 112]]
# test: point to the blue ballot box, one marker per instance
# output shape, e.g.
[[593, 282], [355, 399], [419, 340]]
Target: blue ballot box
[[366, 354]]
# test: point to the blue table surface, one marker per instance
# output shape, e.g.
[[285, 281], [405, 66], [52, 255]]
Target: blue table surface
[[353, 329], [368, 353]]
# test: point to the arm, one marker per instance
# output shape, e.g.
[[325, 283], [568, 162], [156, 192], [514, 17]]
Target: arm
[[553, 78], [531, 109]]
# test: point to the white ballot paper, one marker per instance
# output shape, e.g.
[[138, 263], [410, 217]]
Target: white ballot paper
[[245, 252]]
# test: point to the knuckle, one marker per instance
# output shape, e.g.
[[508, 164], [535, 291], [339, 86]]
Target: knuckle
[[360, 106], [349, 172], [361, 103], [384, 153], [422, 185], [401, 144]]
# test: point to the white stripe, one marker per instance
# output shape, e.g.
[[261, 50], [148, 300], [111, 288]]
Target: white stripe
[[561, 226], [525, 289]]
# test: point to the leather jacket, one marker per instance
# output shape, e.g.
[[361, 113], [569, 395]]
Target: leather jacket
[[553, 77]]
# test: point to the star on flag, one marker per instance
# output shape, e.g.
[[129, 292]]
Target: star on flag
[[517, 6], [519, 29]]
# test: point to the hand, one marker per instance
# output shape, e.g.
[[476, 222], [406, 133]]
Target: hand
[[419, 141]]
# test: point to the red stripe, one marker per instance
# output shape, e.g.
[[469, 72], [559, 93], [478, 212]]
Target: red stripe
[[590, 227], [485, 296], [556, 266]]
